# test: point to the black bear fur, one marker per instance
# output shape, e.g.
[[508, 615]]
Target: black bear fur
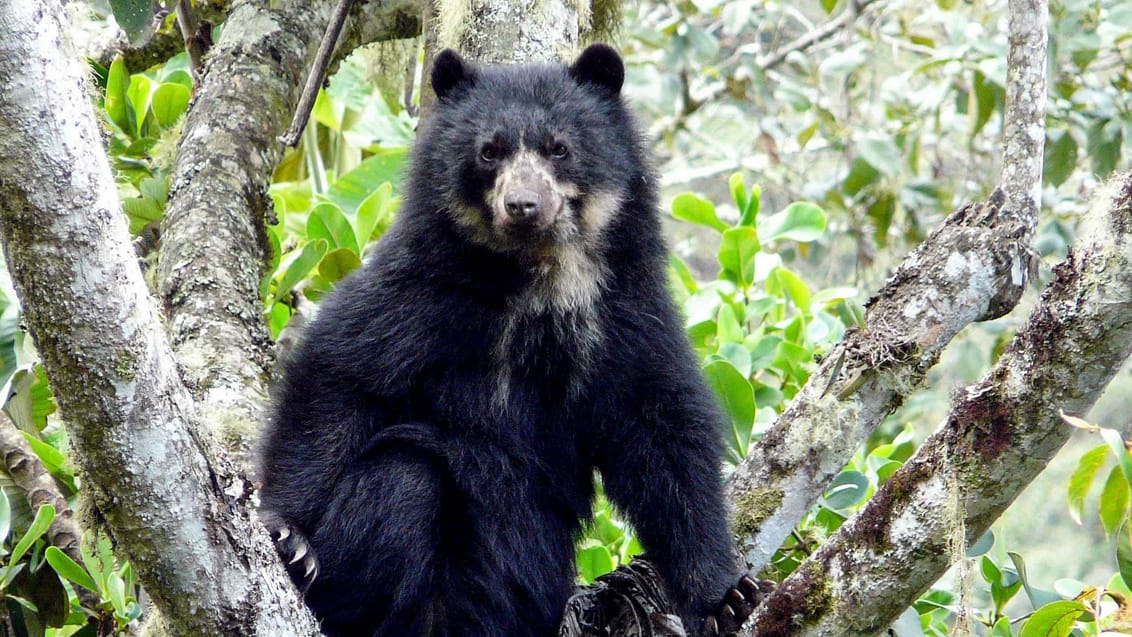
[[435, 434]]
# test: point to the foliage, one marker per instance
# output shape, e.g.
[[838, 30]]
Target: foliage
[[143, 113], [874, 133], [891, 121]]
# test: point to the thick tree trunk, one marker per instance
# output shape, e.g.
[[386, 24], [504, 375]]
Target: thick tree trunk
[[1000, 434], [512, 31], [183, 525]]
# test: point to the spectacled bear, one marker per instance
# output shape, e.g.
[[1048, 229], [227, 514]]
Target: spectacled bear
[[434, 438]]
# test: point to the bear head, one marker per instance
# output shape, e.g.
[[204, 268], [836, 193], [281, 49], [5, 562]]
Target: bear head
[[530, 158]]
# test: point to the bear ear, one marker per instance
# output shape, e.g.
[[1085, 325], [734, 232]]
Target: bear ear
[[449, 71], [600, 66]]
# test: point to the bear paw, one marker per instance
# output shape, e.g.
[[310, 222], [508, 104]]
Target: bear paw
[[295, 551], [737, 605]]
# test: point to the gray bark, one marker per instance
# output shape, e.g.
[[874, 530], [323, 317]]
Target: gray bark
[[174, 513], [973, 268], [512, 31], [214, 247], [963, 272], [1000, 434]]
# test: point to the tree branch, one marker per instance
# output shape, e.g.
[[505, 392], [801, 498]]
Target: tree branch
[[973, 268], [182, 524], [1000, 434], [960, 274], [214, 248], [29, 474]]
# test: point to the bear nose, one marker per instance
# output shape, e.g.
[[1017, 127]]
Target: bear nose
[[521, 204]]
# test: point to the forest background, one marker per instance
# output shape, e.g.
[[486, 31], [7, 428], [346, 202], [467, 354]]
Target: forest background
[[804, 149]]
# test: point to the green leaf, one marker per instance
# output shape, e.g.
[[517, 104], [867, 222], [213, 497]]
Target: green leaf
[[751, 211], [350, 190], [881, 153], [727, 325], [688, 207], [988, 96], [989, 570], [1103, 140], [800, 221], [117, 103], [327, 221], [784, 282], [829, 5], [738, 191], [737, 250], [69, 569], [737, 398], [1060, 157], [1116, 444], [298, 266], [594, 561], [5, 517], [1114, 501], [140, 91], [141, 211], [1124, 553], [1001, 628], [846, 490], [981, 545], [43, 518], [376, 211], [739, 356], [53, 459], [1053, 620], [337, 264], [170, 101], [116, 587], [134, 16], [1082, 479], [861, 174]]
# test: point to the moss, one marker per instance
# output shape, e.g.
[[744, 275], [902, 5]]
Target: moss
[[126, 366], [803, 598], [753, 507]]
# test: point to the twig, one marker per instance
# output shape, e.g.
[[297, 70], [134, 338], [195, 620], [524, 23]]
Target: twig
[[826, 31], [197, 40], [317, 74]]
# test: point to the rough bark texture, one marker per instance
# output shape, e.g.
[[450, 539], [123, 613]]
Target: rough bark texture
[[214, 250], [511, 31], [961, 273], [1000, 433], [1025, 130], [182, 525], [973, 268]]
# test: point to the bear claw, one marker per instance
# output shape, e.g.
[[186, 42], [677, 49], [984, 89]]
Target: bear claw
[[737, 605], [295, 552]]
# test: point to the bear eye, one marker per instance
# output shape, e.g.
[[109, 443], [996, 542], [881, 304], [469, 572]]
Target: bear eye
[[559, 150], [489, 153]]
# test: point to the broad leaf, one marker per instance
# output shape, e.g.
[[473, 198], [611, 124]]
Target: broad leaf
[[1082, 479], [800, 221], [1053, 620], [69, 569], [738, 400], [693, 209]]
